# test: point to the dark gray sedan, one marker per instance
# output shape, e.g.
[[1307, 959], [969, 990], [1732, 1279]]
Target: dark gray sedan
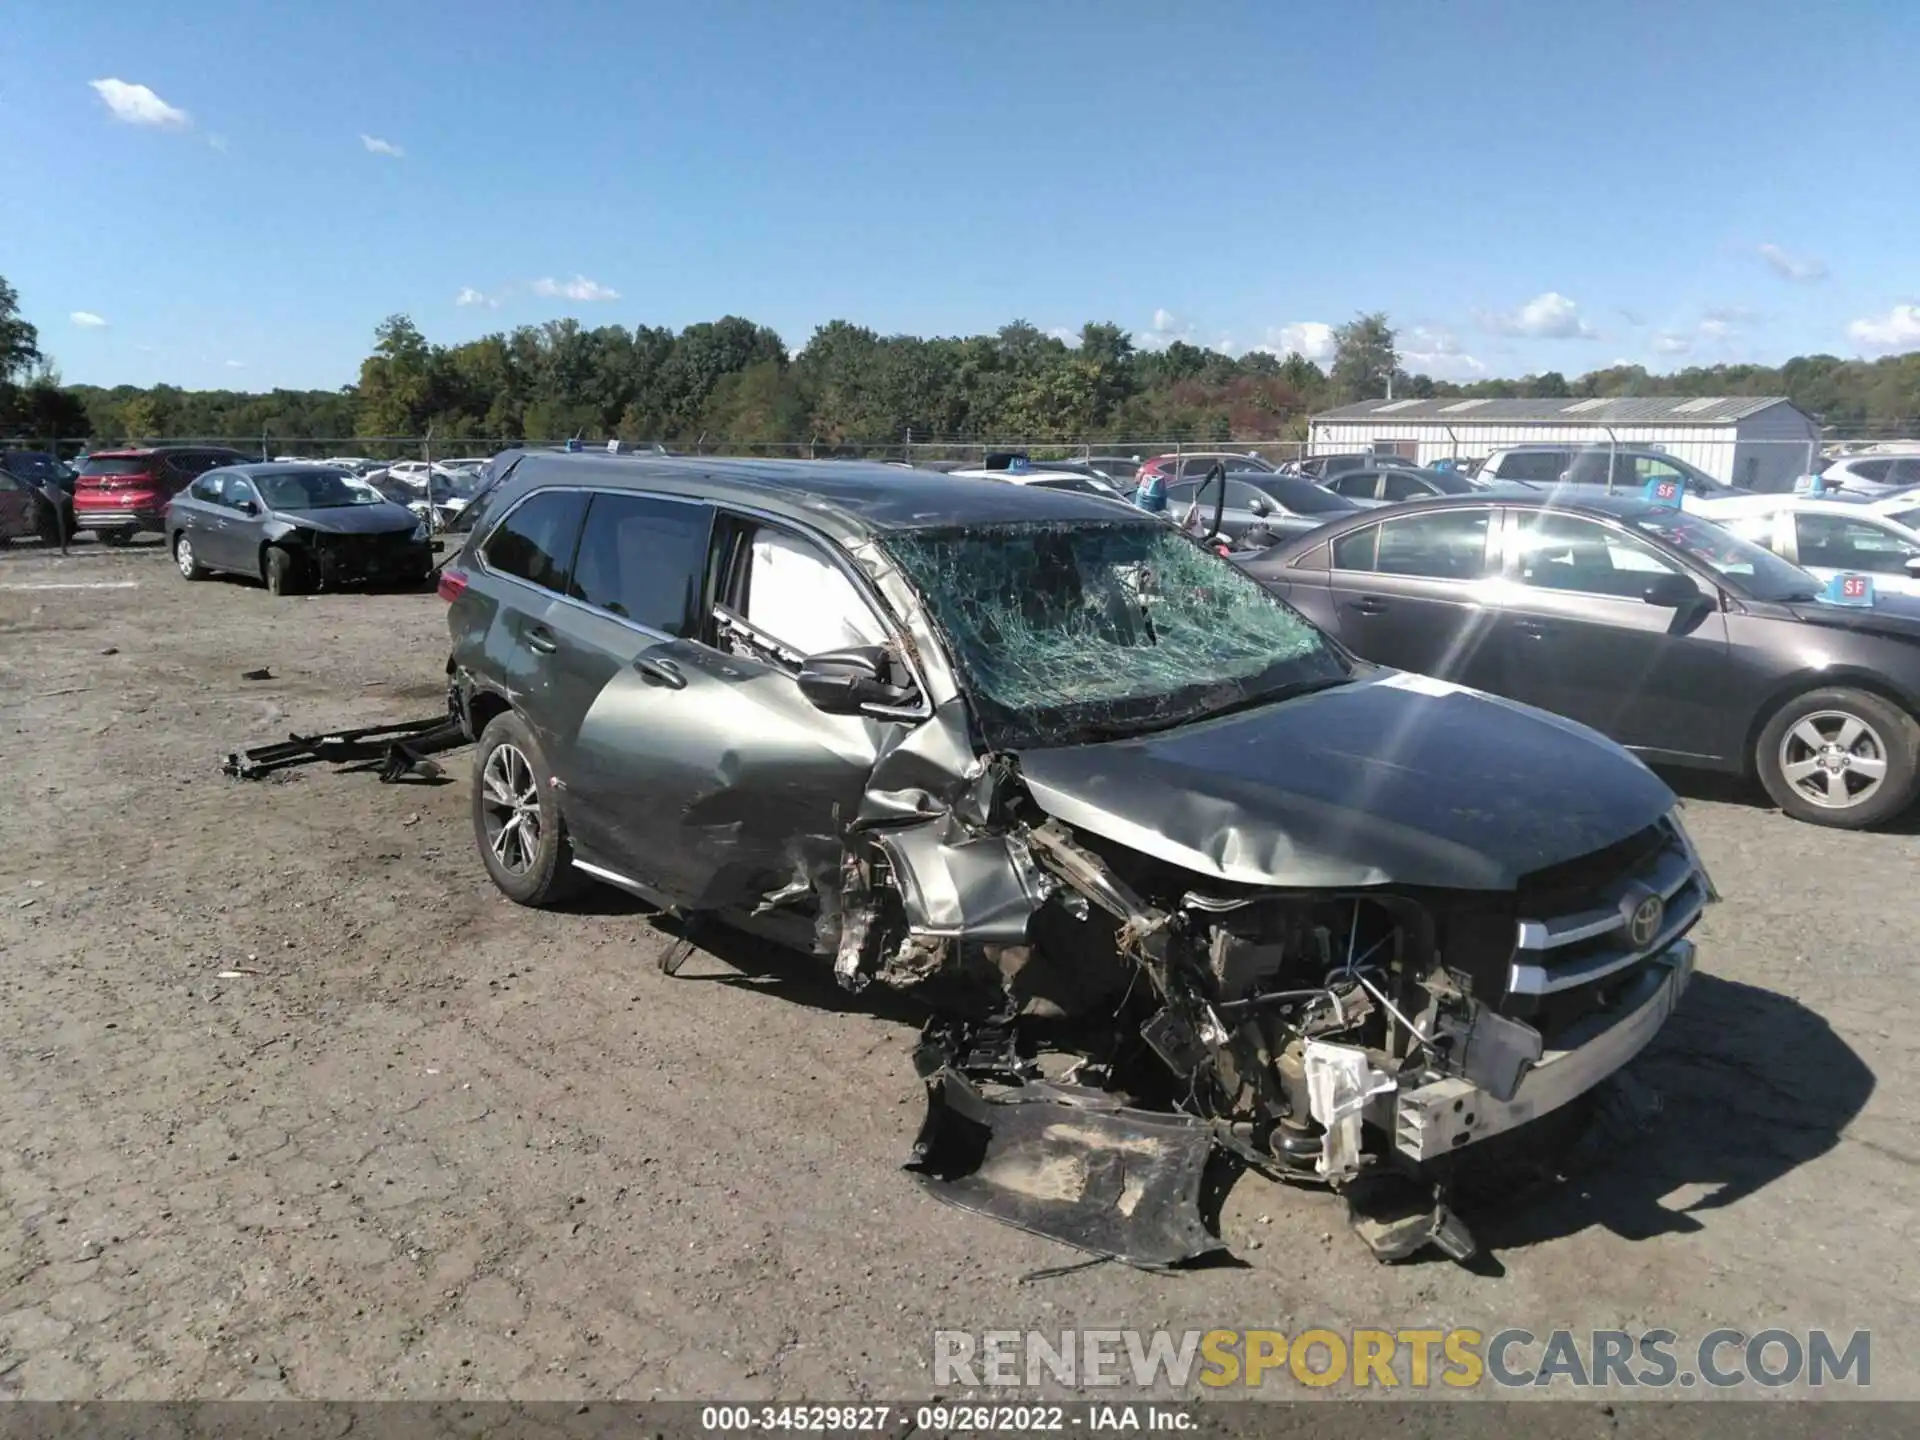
[[295, 527]]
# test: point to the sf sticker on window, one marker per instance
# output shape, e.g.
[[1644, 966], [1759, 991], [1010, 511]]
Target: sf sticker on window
[[1663, 492], [1849, 590]]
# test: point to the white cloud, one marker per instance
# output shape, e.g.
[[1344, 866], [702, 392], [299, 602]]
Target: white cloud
[[87, 320], [470, 296], [137, 105], [1167, 327], [1309, 339], [1732, 314], [1548, 316], [376, 146], [578, 288], [1066, 335], [1438, 353], [1800, 268], [236, 364], [1717, 330], [1668, 343], [1898, 329]]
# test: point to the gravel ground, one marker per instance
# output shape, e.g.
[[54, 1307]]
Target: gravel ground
[[301, 1107]]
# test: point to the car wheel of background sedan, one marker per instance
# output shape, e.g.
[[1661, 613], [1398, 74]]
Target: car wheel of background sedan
[[516, 821], [183, 556], [283, 571], [1843, 758]]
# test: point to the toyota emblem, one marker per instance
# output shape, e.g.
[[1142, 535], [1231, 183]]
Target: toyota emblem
[[1644, 924]]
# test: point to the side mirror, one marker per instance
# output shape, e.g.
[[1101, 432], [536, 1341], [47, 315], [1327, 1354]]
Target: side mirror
[[1913, 565], [846, 682], [1260, 507], [247, 507], [1671, 592]]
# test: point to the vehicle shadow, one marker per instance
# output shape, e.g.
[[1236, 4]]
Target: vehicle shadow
[[1751, 1085], [1739, 790]]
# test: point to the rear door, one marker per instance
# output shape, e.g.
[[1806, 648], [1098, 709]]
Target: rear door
[[1576, 637], [713, 781], [1410, 592], [16, 507], [199, 513]]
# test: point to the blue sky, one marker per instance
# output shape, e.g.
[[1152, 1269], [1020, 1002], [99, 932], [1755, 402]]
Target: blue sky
[[1520, 186]]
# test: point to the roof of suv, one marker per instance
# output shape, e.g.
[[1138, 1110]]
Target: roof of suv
[[851, 498]]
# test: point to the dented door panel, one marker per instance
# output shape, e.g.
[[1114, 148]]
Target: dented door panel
[[705, 770]]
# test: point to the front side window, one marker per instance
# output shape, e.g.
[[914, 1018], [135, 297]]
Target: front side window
[[794, 594], [535, 542], [642, 559], [235, 492], [1406, 487], [1566, 552], [1835, 542], [1065, 631]]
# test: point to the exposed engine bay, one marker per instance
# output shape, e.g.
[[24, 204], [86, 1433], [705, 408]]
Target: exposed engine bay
[[1360, 1039]]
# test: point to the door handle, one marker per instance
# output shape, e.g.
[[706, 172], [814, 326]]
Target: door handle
[[662, 672], [1367, 605], [541, 639], [1533, 628]]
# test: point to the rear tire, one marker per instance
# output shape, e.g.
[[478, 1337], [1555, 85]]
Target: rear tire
[[1841, 758], [183, 557], [282, 571], [516, 819]]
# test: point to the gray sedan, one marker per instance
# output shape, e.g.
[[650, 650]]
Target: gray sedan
[[295, 527]]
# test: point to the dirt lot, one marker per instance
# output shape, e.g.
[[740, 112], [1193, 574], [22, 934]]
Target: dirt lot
[[424, 1143]]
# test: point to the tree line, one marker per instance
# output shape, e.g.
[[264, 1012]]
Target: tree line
[[731, 383]]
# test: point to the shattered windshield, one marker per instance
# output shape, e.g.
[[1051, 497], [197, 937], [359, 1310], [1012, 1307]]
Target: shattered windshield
[[1066, 631]]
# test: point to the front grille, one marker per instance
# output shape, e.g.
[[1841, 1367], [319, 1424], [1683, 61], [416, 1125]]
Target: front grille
[[1594, 937]]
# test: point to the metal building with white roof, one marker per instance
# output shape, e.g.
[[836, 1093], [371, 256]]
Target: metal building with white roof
[[1761, 442]]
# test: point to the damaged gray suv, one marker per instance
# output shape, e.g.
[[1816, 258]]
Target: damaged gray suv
[[1183, 883]]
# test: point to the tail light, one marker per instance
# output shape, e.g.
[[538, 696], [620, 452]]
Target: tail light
[[453, 584]]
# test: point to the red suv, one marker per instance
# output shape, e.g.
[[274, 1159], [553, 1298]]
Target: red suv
[[122, 492]]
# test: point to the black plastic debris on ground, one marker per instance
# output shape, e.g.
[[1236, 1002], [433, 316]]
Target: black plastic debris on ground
[[1071, 1164], [398, 750]]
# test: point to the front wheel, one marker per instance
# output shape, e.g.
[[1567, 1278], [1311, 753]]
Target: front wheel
[[183, 556], [1842, 758], [516, 820], [283, 571]]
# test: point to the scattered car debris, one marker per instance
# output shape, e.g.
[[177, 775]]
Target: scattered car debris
[[401, 749], [263, 673]]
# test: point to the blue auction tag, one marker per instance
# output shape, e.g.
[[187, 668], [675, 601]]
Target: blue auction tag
[[1018, 465], [1849, 590], [1810, 485], [1663, 492]]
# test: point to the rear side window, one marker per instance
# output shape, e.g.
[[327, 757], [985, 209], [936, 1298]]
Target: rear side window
[[1446, 545], [644, 560], [535, 542], [1534, 465], [1872, 469], [1356, 551]]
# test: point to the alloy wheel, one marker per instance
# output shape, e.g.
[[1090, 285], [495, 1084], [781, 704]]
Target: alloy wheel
[[1833, 759], [183, 556], [510, 800]]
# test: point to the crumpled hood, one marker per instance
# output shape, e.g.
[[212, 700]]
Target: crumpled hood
[[1394, 779], [380, 519]]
